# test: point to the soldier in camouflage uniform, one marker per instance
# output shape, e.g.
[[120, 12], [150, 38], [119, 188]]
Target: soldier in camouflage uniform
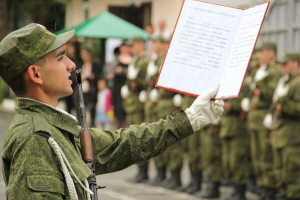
[[211, 160], [150, 97], [33, 64], [134, 101], [151, 108], [192, 146], [235, 145], [172, 159], [152, 73], [283, 121], [264, 83]]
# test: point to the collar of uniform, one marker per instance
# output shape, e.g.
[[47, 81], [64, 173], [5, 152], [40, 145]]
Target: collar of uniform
[[54, 116], [293, 76]]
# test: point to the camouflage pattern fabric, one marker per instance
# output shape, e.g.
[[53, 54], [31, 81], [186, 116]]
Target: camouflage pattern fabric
[[211, 153], [193, 142], [261, 150], [285, 139], [31, 170], [132, 105], [235, 142]]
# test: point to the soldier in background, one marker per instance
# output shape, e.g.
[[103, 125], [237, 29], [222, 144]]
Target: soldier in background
[[130, 92], [211, 159], [235, 145], [249, 85], [264, 84], [171, 160], [157, 97], [149, 97], [284, 124], [193, 156]]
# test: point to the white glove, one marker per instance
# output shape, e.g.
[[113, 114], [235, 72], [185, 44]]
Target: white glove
[[204, 111], [268, 121], [245, 104], [124, 92], [154, 95], [177, 100], [143, 96]]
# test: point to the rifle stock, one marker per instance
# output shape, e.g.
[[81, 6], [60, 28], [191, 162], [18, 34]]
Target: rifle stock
[[86, 140]]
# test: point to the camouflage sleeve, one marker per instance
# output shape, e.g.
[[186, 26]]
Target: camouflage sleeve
[[291, 106], [117, 150], [34, 173]]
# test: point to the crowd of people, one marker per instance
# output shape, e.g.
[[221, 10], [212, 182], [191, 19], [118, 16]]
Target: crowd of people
[[255, 145]]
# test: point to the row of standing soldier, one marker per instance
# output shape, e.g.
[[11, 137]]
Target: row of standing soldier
[[255, 143]]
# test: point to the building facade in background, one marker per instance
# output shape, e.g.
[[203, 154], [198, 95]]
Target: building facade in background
[[138, 12], [282, 26]]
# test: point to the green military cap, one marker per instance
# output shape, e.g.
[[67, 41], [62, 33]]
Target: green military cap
[[23, 47], [268, 45], [290, 56], [136, 39]]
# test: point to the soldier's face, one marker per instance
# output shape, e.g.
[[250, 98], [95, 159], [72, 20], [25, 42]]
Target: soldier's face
[[137, 48], [291, 67], [56, 72], [265, 56]]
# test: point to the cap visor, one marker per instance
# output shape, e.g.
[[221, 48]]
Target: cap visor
[[60, 40]]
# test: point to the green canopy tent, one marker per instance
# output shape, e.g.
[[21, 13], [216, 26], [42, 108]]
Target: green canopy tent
[[106, 25]]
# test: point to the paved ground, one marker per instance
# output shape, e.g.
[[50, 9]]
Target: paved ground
[[117, 186]]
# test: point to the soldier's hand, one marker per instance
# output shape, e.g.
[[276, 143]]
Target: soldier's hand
[[204, 111]]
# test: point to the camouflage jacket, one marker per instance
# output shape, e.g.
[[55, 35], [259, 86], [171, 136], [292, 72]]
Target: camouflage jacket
[[266, 86], [260, 105], [286, 126], [233, 121], [141, 63], [151, 107], [31, 169], [132, 103]]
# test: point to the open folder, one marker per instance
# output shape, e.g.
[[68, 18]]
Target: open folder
[[211, 44]]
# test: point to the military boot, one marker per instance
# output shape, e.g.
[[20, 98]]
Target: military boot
[[174, 181], [280, 196], [239, 193], [160, 176], [252, 186], [268, 194], [194, 185], [142, 174], [211, 191]]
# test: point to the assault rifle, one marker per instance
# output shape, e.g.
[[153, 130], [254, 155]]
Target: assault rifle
[[86, 140]]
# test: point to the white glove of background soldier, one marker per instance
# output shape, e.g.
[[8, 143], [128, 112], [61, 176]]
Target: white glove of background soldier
[[204, 111]]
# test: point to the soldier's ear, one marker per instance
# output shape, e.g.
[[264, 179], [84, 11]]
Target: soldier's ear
[[34, 74]]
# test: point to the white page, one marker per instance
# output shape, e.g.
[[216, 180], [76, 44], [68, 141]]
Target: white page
[[199, 47], [241, 51]]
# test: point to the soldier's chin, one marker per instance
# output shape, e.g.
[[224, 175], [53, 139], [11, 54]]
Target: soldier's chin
[[69, 93]]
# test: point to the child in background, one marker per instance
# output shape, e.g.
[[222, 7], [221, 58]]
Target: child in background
[[104, 106]]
